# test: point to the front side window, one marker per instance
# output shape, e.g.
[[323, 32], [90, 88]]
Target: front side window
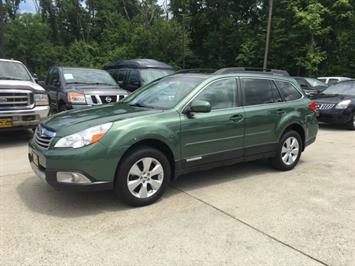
[[288, 91], [259, 91], [87, 76], [13, 71], [133, 76], [220, 94], [164, 93]]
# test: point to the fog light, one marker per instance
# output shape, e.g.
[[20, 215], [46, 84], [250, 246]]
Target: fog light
[[72, 178]]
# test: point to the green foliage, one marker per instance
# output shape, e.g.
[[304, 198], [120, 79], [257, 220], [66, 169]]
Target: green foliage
[[309, 37]]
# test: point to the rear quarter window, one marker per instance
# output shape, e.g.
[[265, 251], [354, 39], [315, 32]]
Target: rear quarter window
[[288, 91]]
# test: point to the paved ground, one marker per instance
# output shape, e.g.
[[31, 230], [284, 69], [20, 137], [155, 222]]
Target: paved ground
[[248, 214]]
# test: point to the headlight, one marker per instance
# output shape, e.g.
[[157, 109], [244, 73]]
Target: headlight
[[343, 104], [76, 98], [40, 99], [83, 138]]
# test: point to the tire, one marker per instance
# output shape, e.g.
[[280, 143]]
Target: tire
[[351, 124], [148, 171], [286, 157]]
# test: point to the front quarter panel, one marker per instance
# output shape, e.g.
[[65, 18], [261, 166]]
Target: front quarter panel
[[164, 127]]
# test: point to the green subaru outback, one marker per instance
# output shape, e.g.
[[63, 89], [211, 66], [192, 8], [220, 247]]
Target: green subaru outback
[[177, 124]]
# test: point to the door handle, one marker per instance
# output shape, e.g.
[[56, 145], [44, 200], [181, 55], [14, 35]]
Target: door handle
[[280, 111], [236, 118]]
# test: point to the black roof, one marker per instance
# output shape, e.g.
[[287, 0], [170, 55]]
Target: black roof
[[138, 63], [231, 70]]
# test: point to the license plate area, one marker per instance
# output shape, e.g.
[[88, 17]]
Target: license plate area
[[35, 159], [5, 122]]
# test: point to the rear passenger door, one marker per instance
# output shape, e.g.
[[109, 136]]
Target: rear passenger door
[[263, 108]]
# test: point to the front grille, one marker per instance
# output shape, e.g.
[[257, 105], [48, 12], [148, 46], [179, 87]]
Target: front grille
[[13, 99], [108, 99], [325, 106], [104, 99], [43, 136]]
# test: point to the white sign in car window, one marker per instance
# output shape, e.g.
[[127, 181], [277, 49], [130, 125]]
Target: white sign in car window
[[68, 76]]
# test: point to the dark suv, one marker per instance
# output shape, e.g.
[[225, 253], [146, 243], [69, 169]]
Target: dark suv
[[73, 87], [132, 74]]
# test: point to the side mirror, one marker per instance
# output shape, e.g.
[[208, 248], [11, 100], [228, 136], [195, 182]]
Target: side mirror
[[120, 82], [56, 83], [41, 83], [200, 106], [136, 83]]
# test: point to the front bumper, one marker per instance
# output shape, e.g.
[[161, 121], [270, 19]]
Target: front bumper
[[50, 177], [96, 162], [26, 118], [335, 116]]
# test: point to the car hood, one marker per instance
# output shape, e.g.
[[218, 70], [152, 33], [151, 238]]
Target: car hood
[[324, 98], [20, 84], [76, 120], [96, 89]]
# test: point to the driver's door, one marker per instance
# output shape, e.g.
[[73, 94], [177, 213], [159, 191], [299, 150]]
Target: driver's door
[[217, 135]]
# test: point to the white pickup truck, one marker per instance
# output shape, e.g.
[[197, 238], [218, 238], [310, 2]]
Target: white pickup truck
[[23, 103]]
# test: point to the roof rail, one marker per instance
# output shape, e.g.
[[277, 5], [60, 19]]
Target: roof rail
[[230, 70], [196, 71]]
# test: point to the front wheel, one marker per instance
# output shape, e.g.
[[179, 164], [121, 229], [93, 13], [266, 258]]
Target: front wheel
[[142, 176], [288, 152], [351, 123]]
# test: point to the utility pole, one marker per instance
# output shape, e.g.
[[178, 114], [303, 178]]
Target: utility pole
[[2, 28], [268, 35], [183, 41]]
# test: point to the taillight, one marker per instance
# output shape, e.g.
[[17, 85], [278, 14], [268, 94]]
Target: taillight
[[312, 106]]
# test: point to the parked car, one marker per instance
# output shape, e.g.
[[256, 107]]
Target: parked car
[[72, 87], [311, 86], [332, 80], [336, 104], [134, 73], [177, 124], [23, 103]]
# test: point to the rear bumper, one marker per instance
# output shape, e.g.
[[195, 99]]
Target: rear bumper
[[26, 118]]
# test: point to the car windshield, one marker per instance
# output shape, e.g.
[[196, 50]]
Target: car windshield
[[164, 93], [347, 88], [87, 76], [315, 82], [13, 71], [151, 74]]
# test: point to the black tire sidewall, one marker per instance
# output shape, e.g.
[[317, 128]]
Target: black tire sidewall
[[121, 188], [277, 160], [350, 125]]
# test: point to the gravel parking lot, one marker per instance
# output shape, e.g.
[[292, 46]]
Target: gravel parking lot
[[247, 214]]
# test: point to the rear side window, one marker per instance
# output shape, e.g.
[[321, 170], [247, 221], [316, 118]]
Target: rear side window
[[121, 75], [259, 91], [332, 81], [288, 91]]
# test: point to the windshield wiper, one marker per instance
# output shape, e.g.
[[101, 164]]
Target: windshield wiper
[[89, 83], [140, 105], [9, 78]]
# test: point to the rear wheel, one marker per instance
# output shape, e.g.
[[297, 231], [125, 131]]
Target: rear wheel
[[288, 152], [142, 176], [351, 124]]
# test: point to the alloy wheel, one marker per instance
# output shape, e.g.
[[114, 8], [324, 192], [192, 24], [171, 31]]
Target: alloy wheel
[[290, 150], [145, 177]]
